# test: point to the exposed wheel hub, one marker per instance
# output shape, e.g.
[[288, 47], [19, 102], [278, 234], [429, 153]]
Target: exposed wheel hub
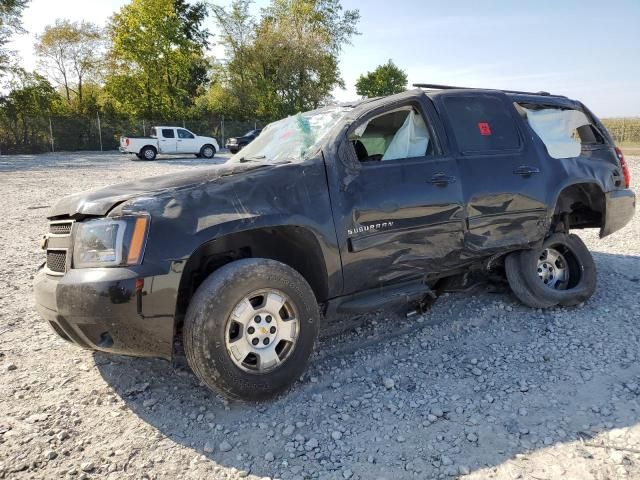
[[553, 269], [261, 330]]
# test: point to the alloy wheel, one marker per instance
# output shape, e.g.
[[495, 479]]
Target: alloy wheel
[[553, 269], [261, 331]]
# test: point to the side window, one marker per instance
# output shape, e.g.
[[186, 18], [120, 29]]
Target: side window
[[395, 135], [168, 133], [565, 132], [481, 124], [184, 134]]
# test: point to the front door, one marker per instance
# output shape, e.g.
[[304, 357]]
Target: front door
[[187, 142], [501, 175], [399, 213]]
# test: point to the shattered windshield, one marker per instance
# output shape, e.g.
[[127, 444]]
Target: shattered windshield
[[291, 138]]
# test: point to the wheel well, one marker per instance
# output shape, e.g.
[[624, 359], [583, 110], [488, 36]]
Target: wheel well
[[580, 206], [148, 146], [291, 245]]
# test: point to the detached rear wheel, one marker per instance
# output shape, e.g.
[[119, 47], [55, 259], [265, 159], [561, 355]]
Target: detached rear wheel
[[250, 328], [560, 272]]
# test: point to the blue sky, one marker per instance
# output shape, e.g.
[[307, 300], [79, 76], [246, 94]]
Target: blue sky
[[589, 50]]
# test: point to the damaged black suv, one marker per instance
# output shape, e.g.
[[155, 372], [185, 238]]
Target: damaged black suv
[[344, 209]]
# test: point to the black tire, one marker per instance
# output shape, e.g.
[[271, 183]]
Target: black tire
[[207, 151], [208, 314], [197, 155], [148, 153], [139, 156], [524, 280]]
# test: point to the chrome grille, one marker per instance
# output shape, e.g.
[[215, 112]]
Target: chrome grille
[[57, 260], [60, 228]]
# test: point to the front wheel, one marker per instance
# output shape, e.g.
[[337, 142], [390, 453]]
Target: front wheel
[[207, 151], [560, 272], [250, 328]]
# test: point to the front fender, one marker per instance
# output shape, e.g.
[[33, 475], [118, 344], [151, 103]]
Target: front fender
[[185, 219]]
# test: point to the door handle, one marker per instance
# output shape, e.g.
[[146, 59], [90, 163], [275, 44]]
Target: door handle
[[442, 180], [526, 171]]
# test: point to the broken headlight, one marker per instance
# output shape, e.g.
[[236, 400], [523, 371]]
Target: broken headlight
[[110, 242]]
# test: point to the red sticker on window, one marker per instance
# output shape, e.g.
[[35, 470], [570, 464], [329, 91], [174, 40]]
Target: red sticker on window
[[484, 128]]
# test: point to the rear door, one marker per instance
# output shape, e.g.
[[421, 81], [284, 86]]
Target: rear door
[[187, 142], [167, 140], [398, 211], [502, 177]]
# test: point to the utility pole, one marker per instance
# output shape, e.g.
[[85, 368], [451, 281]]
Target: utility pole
[[99, 130], [51, 135], [222, 131]]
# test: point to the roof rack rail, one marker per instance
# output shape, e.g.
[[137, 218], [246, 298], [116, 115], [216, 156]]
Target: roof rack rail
[[435, 86]]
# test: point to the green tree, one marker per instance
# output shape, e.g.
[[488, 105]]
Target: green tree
[[386, 79], [232, 89], [157, 65], [72, 55], [286, 60], [10, 23], [24, 111]]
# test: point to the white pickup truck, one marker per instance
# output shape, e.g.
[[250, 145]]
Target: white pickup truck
[[171, 141]]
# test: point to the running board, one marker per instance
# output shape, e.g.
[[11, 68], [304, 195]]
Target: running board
[[380, 298]]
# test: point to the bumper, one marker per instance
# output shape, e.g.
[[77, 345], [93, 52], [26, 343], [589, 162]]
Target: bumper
[[101, 309], [233, 148], [619, 209]]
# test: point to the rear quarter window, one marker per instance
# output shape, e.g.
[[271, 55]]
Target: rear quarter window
[[481, 124], [565, 132]]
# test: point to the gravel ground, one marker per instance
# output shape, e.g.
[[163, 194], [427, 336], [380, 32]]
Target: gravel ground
[[479, 387]]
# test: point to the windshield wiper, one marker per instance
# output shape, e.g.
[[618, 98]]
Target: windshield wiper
[[253, 158]]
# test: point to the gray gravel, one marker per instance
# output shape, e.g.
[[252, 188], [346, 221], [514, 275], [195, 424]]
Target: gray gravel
[[479, 387]]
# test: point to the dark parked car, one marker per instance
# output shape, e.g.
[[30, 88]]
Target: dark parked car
[[344, 209], [235, 144]]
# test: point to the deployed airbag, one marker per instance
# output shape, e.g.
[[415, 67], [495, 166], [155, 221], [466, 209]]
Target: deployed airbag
[[411, 139], [556, 128]]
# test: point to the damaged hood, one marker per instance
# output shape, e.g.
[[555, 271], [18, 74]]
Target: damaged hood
[[99, 202]]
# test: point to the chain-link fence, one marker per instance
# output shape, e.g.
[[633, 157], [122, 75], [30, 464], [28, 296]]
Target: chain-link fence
[[46, 134]]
